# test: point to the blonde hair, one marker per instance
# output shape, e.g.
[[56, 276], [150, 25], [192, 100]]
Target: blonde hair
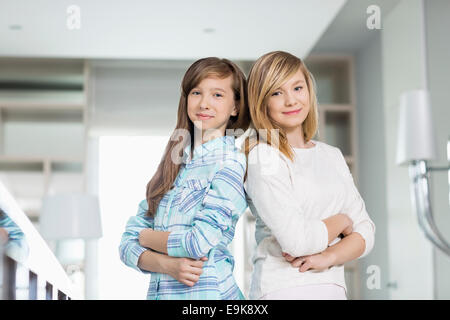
[[267, 74]]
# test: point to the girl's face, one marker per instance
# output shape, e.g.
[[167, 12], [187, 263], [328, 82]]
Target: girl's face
[[289, 104], [211, 103]]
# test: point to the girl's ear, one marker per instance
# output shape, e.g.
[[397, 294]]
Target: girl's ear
[[235, 111]]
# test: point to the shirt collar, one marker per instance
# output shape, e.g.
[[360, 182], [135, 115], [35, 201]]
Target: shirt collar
[[223, 142]]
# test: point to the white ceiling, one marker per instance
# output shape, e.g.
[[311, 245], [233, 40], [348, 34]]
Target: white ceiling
[[348, 31], [173, 29]]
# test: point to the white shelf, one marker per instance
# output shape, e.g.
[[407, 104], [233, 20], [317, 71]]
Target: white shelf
[[26, 159], [332, 76], [337, 107], [46, 96], [335, 80], [45, 161], [37, 106]]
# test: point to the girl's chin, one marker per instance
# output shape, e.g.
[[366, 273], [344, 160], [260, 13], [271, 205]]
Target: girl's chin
[[210, 129], [291, 124]]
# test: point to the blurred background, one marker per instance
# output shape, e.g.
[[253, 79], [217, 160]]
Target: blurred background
[[89, 92]]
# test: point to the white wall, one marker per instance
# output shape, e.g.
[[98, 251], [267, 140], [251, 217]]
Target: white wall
[[372, 167], [437, 13], [389, 62], [410, 253]]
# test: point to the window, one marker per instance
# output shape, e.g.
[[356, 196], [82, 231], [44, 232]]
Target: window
[[126, 164]]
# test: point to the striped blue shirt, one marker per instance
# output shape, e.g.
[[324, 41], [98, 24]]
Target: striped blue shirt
[[201, 213], [16, 247]]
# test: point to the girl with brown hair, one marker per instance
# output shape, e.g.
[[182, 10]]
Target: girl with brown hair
[[194, 200], [300, 190]]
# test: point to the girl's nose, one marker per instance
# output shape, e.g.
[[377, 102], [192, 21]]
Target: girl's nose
[[204, 104], [290, 100]]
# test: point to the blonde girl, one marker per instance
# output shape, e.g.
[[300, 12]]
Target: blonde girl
[[310, 218]]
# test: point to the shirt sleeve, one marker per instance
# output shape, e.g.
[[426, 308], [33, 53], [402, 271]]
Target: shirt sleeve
[[17, 245], [14, 232], [355, 208], [129, 249], [223, 204], [270, 188]]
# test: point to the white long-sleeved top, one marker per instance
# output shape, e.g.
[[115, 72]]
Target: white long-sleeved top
[[289, 200]]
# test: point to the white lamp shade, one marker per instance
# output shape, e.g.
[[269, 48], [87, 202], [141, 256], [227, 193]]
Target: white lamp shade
[[416, 140], [70, 216]]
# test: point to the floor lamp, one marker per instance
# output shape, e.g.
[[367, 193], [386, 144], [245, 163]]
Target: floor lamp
[[75, 216]]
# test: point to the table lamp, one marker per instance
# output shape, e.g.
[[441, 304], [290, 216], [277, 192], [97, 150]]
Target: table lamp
[[415, 147]]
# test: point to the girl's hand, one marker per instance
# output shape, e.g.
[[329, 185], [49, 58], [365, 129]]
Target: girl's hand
[[142, 235], [186, 270], [3, 236], [318, 262]]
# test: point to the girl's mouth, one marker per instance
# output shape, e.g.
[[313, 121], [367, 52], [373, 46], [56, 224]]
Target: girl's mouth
[[204, 116], [292, 112]]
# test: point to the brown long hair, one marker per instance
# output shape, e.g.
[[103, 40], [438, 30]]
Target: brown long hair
[[167, 171], [267, 74]]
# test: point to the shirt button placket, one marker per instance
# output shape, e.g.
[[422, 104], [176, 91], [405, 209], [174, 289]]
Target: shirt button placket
[[166, 212], [172, 196]]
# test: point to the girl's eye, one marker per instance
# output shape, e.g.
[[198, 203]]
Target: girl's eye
[[276, 93], [298, 88], [218, 95], [195, 93]]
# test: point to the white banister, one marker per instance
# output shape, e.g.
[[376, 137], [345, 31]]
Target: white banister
[[40, 259]]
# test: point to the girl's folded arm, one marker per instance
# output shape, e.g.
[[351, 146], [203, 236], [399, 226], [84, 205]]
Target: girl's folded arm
[[268, 187], [223, 203], [356, 210], [129, 249]]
